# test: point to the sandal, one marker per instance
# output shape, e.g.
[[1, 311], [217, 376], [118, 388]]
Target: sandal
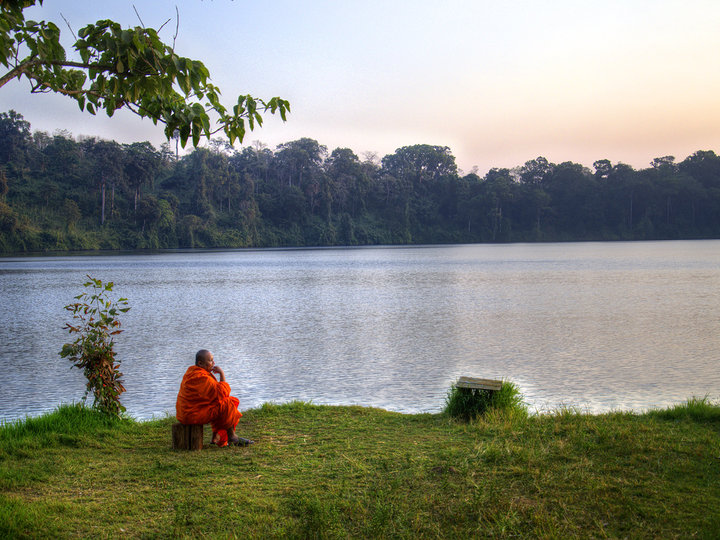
[[241, 441]]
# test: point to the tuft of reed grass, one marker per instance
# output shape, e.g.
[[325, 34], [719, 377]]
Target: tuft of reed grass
[[697, 409], [68, 425], [470, 403]]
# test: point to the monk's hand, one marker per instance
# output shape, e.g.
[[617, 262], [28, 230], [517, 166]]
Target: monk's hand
[[219, 371]]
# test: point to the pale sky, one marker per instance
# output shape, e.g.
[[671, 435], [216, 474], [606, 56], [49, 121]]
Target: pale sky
[[498, 81]]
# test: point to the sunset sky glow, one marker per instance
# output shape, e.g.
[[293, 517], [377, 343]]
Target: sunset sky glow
[[499, 82]]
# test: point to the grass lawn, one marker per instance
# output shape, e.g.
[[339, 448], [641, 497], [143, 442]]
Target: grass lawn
[[339, 472]]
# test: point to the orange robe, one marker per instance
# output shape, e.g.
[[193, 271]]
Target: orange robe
[[204, 400]]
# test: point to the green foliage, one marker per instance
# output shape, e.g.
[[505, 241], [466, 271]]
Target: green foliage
[[132, 196], [470, 403], [95, 320], [125, 67]]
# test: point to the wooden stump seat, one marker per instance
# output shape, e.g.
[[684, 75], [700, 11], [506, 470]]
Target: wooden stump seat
[[187, 436]]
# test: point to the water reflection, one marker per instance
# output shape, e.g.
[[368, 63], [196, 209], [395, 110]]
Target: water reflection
[[598, 326]]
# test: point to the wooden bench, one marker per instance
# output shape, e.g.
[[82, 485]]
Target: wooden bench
[[187, 436], [478, 384]]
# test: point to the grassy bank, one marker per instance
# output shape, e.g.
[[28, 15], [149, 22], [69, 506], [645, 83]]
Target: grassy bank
[[327, 472]]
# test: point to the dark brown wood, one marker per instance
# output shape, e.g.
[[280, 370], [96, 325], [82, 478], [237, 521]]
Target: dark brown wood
[[481, 384], [187, 436]]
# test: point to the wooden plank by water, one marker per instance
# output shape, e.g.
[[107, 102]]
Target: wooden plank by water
[[481, 384]]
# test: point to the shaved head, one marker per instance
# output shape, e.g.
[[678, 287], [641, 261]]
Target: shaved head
[[202, 357]]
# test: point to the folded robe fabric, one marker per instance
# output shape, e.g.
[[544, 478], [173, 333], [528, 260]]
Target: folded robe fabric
[[204, 400]]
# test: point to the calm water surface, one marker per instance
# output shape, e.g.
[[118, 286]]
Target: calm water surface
[[599, 326]]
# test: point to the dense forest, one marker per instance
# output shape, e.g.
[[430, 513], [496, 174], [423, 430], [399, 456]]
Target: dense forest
[[62, 193]]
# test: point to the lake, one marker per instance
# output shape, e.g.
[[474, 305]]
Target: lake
[[597, 326]]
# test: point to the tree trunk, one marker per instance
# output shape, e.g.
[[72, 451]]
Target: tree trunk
[[102, 204], [112, 200]]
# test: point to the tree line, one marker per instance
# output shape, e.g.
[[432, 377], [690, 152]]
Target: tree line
[[62, 193]]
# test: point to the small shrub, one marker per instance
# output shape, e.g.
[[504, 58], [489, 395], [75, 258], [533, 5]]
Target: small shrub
[[469, 403], [95, 320]]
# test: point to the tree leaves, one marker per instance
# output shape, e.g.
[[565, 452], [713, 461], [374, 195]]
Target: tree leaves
[[125, 68]]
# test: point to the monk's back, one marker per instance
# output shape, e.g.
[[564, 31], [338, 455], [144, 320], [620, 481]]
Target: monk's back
[[198, 398]]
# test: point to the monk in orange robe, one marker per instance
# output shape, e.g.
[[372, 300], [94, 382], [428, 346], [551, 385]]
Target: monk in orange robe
[[205, 400]]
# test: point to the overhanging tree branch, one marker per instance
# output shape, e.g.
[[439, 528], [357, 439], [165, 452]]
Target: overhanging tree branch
[[26, 67], [130, 68]]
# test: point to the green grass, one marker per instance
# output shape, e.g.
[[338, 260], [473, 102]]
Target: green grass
[[339, 472]]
